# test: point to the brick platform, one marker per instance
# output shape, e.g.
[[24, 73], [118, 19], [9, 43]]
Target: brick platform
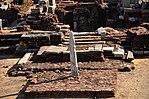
[[90, 83]]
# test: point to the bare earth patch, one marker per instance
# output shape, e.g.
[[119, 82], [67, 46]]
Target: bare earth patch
[[9, 86], [134, 84]]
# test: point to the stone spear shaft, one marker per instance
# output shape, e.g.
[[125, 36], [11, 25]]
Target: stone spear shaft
[[73, 55]]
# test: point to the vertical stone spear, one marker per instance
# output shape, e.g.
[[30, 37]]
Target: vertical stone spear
[[73, 55], [1, 24]]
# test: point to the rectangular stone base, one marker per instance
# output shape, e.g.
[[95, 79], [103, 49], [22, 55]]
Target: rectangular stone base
[[89, 83]]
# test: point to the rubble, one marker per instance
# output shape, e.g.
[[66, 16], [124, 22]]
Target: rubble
[[139, 36], [145, 25], [114, 32], [42, 22], [138, 31], [79, 12], [22, 5]]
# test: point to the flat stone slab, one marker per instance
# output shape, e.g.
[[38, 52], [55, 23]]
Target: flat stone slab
[[41, 50], [25, 58], [56, 82], [55, 49]]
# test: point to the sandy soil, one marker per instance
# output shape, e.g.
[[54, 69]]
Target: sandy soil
[[9, 86], [134, 84], [130, 85]]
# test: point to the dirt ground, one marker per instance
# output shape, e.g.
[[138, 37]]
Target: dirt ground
[[9, 86], [134, 84], [130, 85]]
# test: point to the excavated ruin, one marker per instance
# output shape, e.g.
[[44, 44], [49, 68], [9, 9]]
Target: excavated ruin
[[56, 38]]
